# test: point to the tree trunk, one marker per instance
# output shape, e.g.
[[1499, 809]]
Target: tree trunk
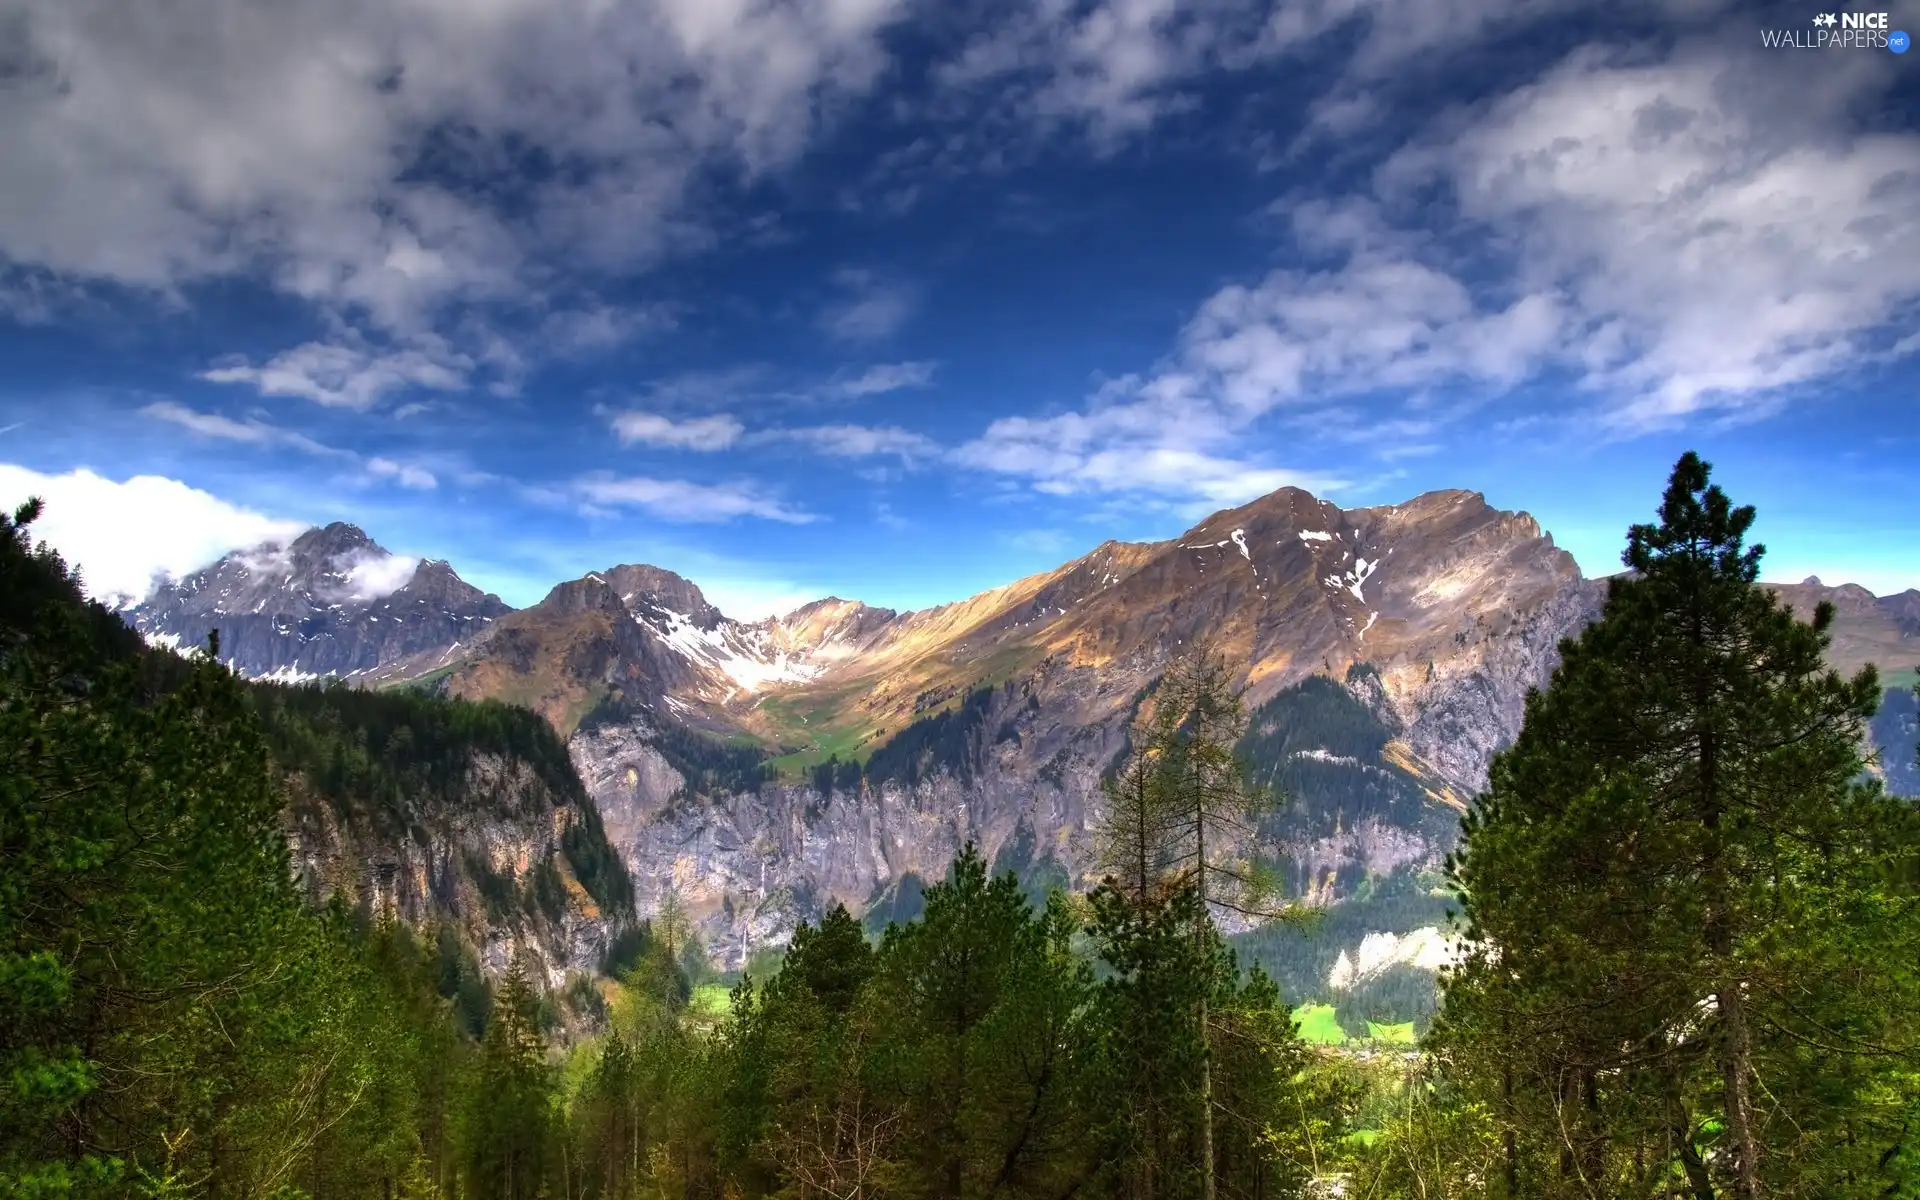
[[1736, 1055], [1509, 1144], [1735, 1049], [1206, 1107], [1206, 983]]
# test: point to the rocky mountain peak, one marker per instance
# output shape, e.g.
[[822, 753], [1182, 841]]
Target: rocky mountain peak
[[332, 540], [991, 718], [831, 625], [651, 589], [435, 582], [592, 592], [330, 602], [1904, 608]]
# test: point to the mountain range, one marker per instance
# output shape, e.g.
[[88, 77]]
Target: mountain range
[[760, 770]]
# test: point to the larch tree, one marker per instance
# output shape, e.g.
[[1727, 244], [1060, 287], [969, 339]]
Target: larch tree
[[1181, 815]]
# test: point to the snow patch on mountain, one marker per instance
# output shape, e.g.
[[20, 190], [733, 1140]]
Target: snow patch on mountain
[[288, 675], [1320, 755], [745, 659]]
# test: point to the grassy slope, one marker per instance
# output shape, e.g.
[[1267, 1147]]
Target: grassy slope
[[1319, 1025]]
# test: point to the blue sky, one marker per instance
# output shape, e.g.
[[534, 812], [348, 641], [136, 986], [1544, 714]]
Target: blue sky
[[900, 300]]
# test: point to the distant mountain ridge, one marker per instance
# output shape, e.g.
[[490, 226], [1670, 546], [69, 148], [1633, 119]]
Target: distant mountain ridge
[[331, 602], [760, 770]]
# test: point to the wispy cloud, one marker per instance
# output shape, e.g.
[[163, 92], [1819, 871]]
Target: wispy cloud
[[600, 327], [1038, 541], [857, 441], [346, 376], [1713, 235], [715, 432], [407, 475], [882, 378], [871, 308], [681, 500], [256, 432], [267, 146], [252, 432]]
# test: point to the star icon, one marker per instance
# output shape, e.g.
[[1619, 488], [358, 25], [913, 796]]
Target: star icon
[[1827, 19]]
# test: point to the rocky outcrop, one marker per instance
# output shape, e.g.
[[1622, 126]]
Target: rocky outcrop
[[330, 603], [493, 865]]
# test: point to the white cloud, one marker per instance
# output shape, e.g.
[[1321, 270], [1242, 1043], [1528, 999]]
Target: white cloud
[[681, 500], [1039, 541], [254, 432], [715, 432], [882, 378], [125, 535], [1713, 236], [370, 575], [1112, 68], [873, 309], [1679, 236], [286, 142], [749, 598], [250, 432], [600, 327], [1115, 452], [857, 441], [407, 475], [345, 376]]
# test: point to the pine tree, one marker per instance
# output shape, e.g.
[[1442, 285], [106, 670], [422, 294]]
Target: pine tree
[[509, 1126], [1686, 961]]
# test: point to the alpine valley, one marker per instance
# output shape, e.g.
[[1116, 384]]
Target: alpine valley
[[756, 772]]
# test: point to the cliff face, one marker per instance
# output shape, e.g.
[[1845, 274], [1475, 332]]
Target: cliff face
[[484, 866], [462, 817]]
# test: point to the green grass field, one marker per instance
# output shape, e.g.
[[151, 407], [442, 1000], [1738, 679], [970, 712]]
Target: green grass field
[[1398, 1035], [1319, 1026], [819, 721], [712, 999]]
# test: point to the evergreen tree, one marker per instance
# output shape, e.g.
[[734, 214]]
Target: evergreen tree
[[981, 996], [1688, 964], [508, 1132]]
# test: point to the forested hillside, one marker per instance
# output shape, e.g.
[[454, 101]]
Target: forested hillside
[[446, 810]]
